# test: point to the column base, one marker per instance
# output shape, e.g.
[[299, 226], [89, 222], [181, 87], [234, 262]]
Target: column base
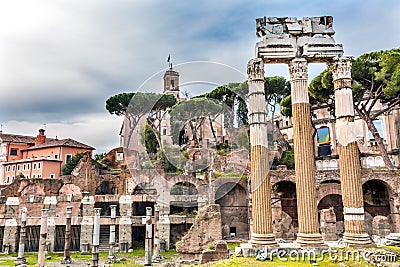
[[355, 240], [263, 240], [393, 239], [66, 261], [310, 241], [20, 262]]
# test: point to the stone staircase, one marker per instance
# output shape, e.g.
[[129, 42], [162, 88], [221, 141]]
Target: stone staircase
[[104, 238]]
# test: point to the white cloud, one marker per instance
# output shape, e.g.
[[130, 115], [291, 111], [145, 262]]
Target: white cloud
[[97, 130]]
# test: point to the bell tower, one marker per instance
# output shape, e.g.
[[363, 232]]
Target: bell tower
[[171, 80]]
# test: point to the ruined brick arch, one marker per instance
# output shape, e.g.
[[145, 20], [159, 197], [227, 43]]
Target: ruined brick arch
[[225, 188], [106, 187], [286, 191], [185, 179], [287, 175], [69, 188], [144, 188], [387, 182], [332, 201], [49, 187], [223, 182], [184, 188], [377, 197], [233, 200], [330, 177], [328, 189], [32, 189]]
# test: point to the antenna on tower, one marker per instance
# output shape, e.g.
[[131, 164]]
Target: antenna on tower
[[169, 62], [1, 128]]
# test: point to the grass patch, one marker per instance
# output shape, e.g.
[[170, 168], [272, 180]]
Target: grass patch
[[232, 245]]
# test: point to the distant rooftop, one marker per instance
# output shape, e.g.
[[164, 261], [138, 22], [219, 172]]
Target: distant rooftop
[[49, 142], [14, 138], [62, 142]]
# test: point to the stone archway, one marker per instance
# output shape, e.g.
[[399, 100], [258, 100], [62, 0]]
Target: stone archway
[[331, 216], [376, 198], [106, 188], [233, 201], [183, 199], [333, 201], [287, 193]]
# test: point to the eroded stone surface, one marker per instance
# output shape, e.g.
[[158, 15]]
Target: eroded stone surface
[[204, 231]]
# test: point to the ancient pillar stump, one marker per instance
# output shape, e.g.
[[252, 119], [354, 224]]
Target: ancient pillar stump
[[262, 233], [43, 237], [308, 235], [87, 222], [349, 162], [96, 238], [148, 237], [22, 237], [67, 241], [111, 252]]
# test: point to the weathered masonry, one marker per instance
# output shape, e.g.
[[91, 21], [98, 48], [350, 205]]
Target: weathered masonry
[[380, 191], [297, 43]]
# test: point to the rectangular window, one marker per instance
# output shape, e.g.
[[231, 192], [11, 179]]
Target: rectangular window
[[8, 168], [13, 168], [34, 166], [120, 156], [28, 166], [38, 166], [56, 156], [323, 135], [8, 179], [34, 176], [24, 167], [52, 175], [13, 152], [27, 176], [68, 157], [18, 167]]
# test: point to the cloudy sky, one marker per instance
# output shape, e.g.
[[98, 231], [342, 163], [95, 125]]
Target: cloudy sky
[[61, 60]]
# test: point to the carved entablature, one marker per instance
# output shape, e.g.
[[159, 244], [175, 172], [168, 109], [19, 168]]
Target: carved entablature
[[298, 69], [255, 69], [283, 39]]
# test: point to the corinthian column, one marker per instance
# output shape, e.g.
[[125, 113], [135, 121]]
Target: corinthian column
[[308, 234], [349, 162], [260, 177]]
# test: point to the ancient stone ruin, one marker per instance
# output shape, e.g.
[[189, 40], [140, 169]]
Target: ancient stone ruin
[[297, 43]]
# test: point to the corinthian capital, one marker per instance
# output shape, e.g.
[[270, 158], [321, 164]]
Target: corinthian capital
[[341, 68], [255, 69], [298, 69]]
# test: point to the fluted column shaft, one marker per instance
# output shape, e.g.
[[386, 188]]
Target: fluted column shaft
[[349, 162], [262, 233], [308, 234]]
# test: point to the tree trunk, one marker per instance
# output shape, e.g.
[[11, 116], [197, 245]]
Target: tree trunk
[[212, 128], [157, 133], [378, 140]]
